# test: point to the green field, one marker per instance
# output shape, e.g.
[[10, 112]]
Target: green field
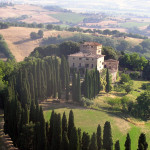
[[88, 119], [68, 17], [134, 24]]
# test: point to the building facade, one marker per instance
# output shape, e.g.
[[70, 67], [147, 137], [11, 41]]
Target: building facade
[[89, 57]]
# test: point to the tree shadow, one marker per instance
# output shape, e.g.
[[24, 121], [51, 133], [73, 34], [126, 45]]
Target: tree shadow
[[22, 41]]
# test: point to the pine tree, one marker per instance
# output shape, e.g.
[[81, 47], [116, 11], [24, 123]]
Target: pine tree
[[142, 144], [74, 140], [70, 123], [65, 142], [128, 142], [107, 137], [117, 145], [108, 86], [64, 124], [99, 138], [85, 141], [93, 144]]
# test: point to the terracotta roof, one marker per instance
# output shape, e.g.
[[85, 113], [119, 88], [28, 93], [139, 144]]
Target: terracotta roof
[[86, 55], [112, 60], [91, 44]]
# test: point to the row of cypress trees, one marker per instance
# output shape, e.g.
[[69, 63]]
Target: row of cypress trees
[[91, 84], [33, 80]]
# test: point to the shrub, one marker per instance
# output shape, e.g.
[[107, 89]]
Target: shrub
[[114, 102], [135, 75], [125, 102], [128, 88], [86, 102], [124, 78], [146, 86]]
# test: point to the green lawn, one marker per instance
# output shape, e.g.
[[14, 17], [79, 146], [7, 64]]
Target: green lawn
[[88, 119], [68, 17], [134, 24]]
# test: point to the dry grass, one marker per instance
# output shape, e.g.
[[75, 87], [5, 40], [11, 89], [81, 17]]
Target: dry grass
[[34, 13], [19, 42], [134, 41]]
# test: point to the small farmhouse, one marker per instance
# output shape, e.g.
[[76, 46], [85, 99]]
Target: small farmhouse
[[90, 56]]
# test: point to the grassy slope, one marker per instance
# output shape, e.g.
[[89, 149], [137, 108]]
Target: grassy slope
[[68, 17], [88, 119], [19, 42]]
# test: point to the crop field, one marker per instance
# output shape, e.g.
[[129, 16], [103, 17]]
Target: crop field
[[134, 24], [88, 118], [68, 17]]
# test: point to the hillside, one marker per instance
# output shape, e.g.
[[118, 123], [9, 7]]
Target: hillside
[[29, 14], [19, 42]]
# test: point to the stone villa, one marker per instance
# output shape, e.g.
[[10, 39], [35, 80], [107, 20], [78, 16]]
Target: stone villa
[[90, 56]]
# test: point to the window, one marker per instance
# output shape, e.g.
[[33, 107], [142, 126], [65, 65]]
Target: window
[[87, 59], [80, 58], [80, 65], [92, 59], [73, 64], [73, 58], [86, 65], [92, 65], [105, 66]]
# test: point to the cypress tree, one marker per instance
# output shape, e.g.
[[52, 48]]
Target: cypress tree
[[64, 124], [108, 86], [32, 112], [99, 138], [43, 144], [63, 72], [57, 133], [70, 123], [26, 115], [85, 141], [65, 142], [78, 89], [142, 144], [74, 86], [80, 138], [117, 145], [43, 86], [107, 137], [32, 89], [67, 88], [74, 140], [86, 86], [50, 135], [128, 142], [93, 144]]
